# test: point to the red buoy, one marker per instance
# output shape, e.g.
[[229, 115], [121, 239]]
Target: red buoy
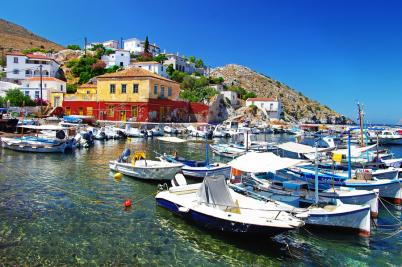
[[127, 203]]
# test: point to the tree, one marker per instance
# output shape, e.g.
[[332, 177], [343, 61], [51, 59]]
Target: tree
[[170, 70], [146, 45], [73, 47], [199, 63], [192, 59], [2, 101], [17, 98], [71, 88], [160, 58]]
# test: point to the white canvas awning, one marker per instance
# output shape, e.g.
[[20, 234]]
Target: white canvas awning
[[300, 148], [254, 162], [354, 151], [171, 139]]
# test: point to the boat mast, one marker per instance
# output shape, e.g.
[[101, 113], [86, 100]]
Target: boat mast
[[206, 150], [316, 173], [361, 114]]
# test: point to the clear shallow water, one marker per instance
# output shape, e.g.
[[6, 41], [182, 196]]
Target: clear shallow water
[[68, 210]]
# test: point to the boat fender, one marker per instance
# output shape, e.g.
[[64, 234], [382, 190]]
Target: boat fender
[[118, 175], [127, 203], [184, 209]]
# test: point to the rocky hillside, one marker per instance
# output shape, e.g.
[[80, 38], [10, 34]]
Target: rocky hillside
[[297, 107], [15, 37]]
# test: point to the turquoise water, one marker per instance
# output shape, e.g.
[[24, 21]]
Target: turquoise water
[[67, 209]]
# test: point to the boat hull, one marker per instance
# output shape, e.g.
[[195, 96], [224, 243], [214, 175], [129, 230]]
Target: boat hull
[[146, 173], [357, 220], [35, 148], [218, 224]]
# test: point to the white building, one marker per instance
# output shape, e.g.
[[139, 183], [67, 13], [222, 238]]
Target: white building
[[119, 58], [5, 86], [136, 46], [152, 66], [31, 87], [20, 66], [232, 96], [272, 106], [218, 87], [182, 64], [112, 44]]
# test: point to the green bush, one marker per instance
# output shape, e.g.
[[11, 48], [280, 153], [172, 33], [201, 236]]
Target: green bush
[[2, 103], [71, 88], [17, 98], [73, 47]]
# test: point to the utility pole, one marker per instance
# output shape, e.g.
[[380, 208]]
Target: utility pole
[[85, 45], [41, 99]]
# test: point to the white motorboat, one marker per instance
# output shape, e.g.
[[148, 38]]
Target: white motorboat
[[213, 205], [389, 137], [141, 168], [157, 131], [170, 130], [34, 144], [133, 131]]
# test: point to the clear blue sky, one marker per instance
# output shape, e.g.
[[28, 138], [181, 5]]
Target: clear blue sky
[[335, 52]]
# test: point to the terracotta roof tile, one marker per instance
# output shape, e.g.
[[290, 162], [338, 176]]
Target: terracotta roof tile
[[133, 73], [45, 79], [145, 62]]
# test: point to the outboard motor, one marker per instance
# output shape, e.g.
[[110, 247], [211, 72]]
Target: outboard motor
[[124, 156]]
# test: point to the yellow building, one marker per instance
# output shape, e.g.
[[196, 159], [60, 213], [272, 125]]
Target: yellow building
[[135, 85]]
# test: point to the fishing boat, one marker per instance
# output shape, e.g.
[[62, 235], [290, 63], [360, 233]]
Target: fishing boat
[[213, 205], [334, 215], [170, 129], [389, 137], [141, 168], [133, 131], [227, 150]]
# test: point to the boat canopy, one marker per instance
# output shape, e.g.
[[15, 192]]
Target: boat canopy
[[171, 139], [215, 191], [300, 148], [43, 127], [254, 162], [354, 151]]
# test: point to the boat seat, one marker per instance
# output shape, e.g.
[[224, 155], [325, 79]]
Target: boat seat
[[179, 180]]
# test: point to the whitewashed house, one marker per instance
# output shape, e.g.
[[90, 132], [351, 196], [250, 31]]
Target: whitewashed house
[[136, 46], [119, 58], [31, 87], [180, 63], [218, 87], [272, 106], [232, 96], [112, 44], [152, 66], [20, 66]]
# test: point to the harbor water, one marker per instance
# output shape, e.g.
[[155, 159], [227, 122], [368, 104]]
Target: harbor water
[[67, 209]]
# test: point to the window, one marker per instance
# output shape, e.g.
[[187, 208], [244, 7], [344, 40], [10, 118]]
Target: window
[[80, 111], [28, 72], [68, 111], [169, 91], [110, 111], [61, 87], [162, 91], [15, 59], [122, 55], [135, 88], [88, 92], [123, 88], [36, 94], [112, 88], [134, 111], [45, 85], [155, 89], [26, 93], [162, 68], [271, 107], [89, 111], [121, 64], [15, 71]]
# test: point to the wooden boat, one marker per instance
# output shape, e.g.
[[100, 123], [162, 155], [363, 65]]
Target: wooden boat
[[141, 168], [213, 205], [34, 144]]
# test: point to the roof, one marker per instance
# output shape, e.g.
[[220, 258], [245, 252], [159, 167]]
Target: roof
[[254, 162], [88, 85], [262, 99], [38, 56], [300, 148], [45, 79], [15, 54], [134, 72], [145, 62]]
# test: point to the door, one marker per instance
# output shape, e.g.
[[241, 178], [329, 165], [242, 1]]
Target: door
[[123, 115], [56, 101]]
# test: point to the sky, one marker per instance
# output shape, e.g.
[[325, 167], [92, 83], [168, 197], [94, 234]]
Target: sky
[[334, 51]]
